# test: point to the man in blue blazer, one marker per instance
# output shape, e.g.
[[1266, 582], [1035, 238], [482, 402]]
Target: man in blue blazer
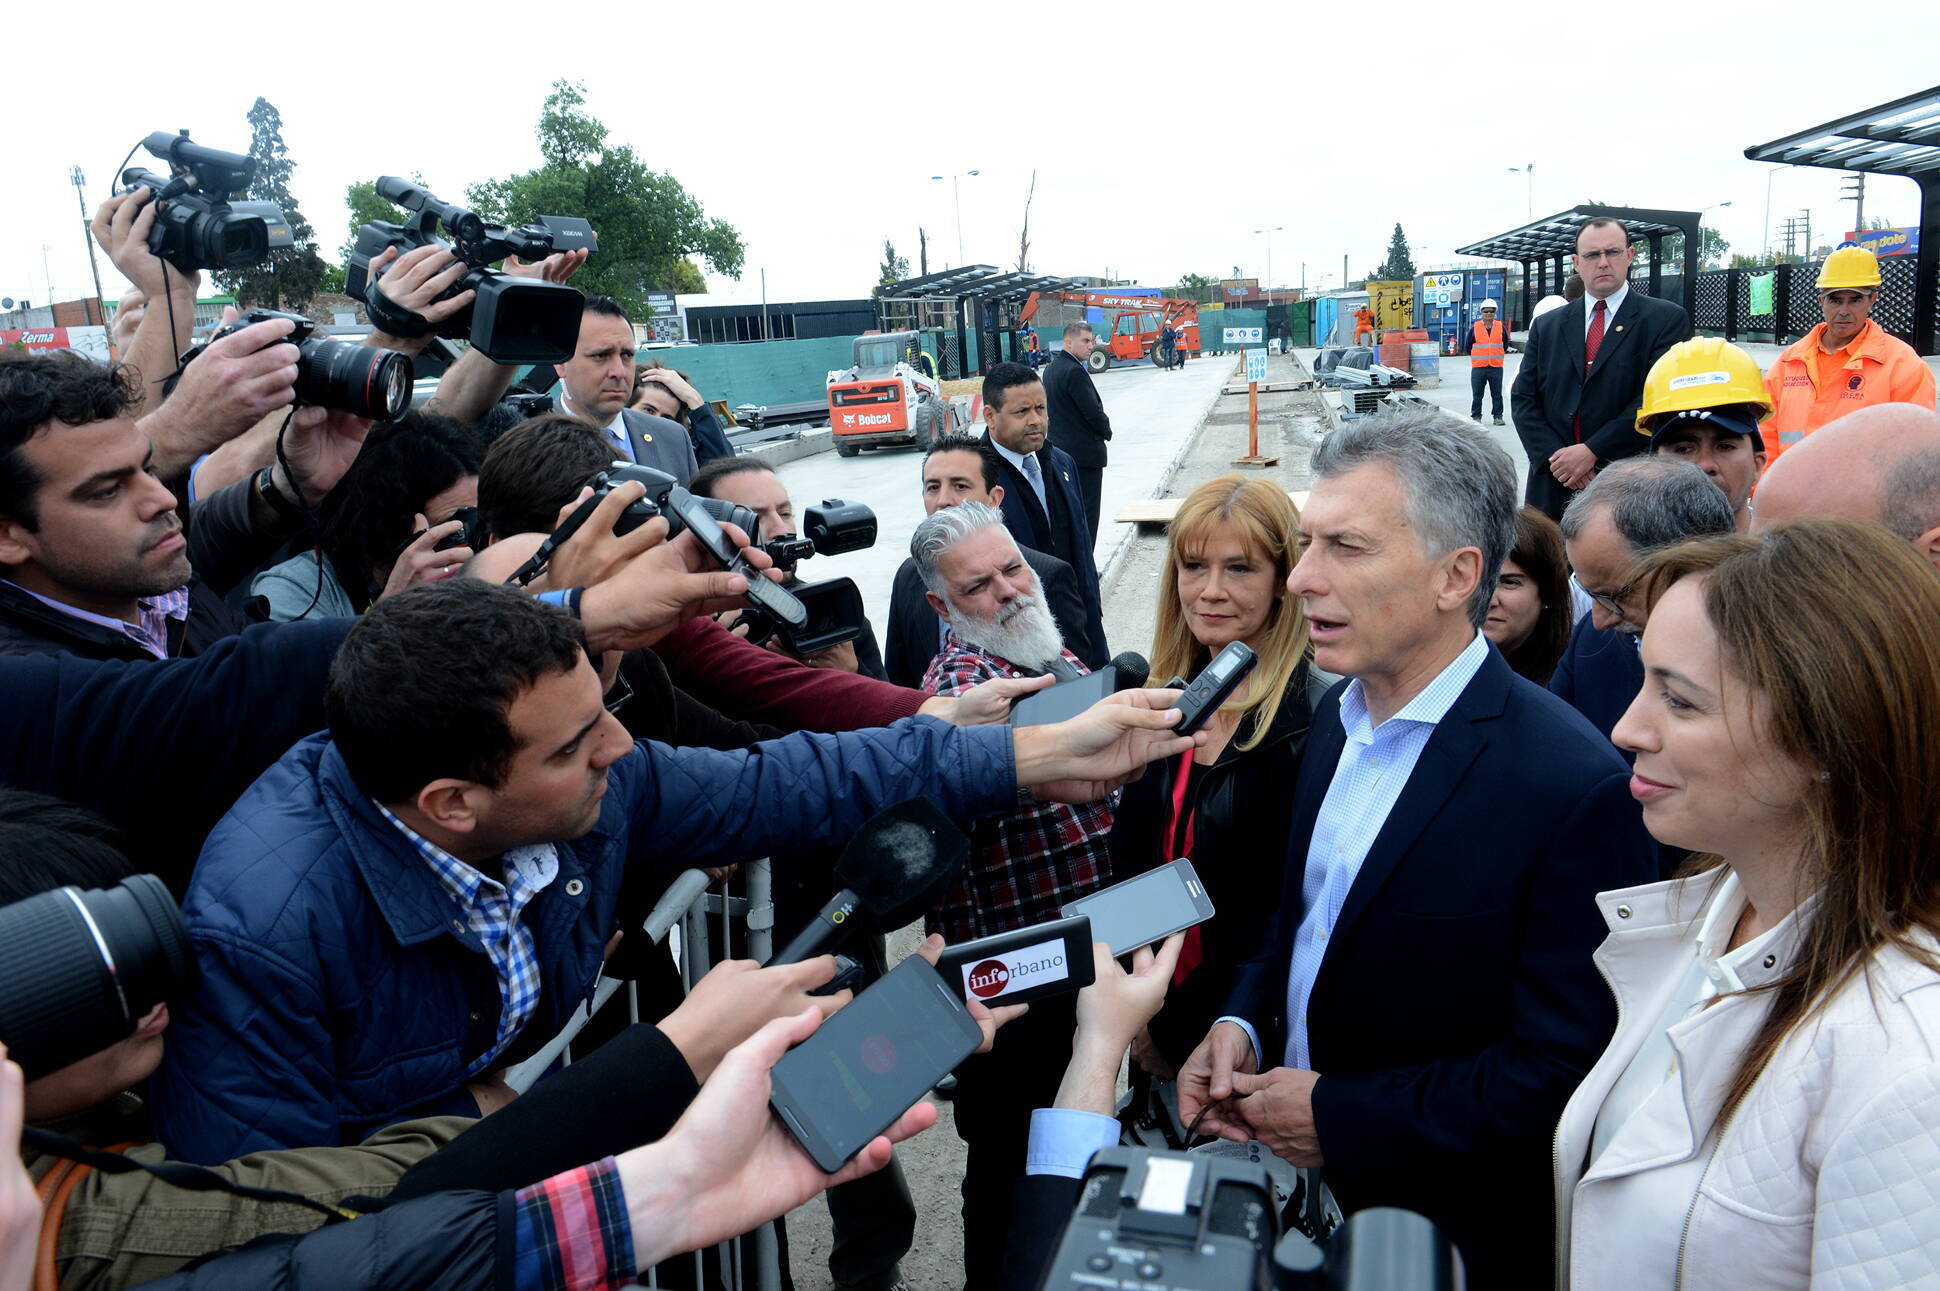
[[1424, 1001], [1042, 506]]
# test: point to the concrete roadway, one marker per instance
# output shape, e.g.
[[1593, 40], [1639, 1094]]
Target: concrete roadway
[[1153, 415]]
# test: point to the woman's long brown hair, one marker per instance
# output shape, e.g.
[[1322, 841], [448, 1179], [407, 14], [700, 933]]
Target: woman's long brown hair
[[1836, 626]]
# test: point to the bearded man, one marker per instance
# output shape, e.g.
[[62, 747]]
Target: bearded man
[[1022, 866]]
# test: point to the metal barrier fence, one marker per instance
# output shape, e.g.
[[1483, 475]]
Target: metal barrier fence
[[1723, 302], [688, 905]]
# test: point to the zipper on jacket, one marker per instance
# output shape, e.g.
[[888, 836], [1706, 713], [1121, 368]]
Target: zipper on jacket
[[1564, 1261], [1691, 1214]]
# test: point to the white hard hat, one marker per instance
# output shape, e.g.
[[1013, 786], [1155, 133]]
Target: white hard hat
[[1489, 304]]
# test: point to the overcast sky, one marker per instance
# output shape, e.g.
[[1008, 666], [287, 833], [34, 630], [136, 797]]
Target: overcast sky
[[1160, 144]]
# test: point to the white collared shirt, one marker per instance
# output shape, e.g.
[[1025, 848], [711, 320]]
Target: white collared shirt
[[1017, 459], [1614, 301], [615, 429]]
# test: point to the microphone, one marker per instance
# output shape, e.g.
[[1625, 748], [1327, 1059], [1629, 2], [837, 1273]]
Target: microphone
[[1132, 669]]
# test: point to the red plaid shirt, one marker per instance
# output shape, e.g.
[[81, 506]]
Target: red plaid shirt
[[1025, 865]]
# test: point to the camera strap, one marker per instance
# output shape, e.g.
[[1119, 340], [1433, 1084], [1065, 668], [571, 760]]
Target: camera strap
[[386, 315], [194, 1178]]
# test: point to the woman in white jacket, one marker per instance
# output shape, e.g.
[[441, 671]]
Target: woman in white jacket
[[1768, 1112]]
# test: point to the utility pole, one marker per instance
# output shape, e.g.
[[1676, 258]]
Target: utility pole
[[1854, 190], [764, 303], [1343, 271], [87, 235]]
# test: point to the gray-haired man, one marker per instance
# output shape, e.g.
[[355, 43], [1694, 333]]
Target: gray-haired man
[[1630, 508], [1424, 1002], [1023, 866]]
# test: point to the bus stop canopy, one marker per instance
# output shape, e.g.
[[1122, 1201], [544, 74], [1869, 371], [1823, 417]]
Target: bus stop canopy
[[1542, 245], [1899, 138]]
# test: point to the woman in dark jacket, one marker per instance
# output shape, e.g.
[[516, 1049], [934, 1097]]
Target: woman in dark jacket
[[1227, 804]]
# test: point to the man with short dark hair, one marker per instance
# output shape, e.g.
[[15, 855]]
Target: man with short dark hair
[[93, 560], [535, 468], [421, 896], [1628, 510], [1417, 1023], [1078, 425], [959, 469], [1576, 394], [598, 382], [1042, 505]]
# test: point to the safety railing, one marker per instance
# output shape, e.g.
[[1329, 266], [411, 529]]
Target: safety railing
[[688, 905]]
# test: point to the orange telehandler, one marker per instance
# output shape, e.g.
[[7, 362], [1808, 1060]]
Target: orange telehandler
[[1136, 322]]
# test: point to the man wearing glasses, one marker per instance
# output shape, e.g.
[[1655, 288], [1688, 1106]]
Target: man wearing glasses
[[1629, 509], [1576, 395]]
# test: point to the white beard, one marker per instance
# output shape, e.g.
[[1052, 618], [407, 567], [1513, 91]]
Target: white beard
[[1024, 633]]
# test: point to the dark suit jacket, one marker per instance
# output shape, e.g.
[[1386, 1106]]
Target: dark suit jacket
[[1079, 425], [1457, 1006], [913, 639], [1599, 675], [1064, 533], [664, 445], [1551, 388]]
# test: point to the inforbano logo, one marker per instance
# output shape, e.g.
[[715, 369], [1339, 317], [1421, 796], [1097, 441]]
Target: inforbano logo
[[1016, 969]]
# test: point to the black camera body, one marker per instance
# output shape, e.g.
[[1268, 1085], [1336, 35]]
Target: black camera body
[[358, 379], [81, 968], [1169, 1219], [834, 605], [659, 486], [197, 226], [511, 319]]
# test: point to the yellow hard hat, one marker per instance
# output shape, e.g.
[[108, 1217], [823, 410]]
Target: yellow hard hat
[[1848, 268], [1703, 372]]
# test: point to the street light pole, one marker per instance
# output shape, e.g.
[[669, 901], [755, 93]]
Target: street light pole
[[956, 193], [87, 235], [1269, 258]]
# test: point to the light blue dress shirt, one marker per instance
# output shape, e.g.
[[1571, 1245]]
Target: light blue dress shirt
[[1374, 767], [1064, 1139]]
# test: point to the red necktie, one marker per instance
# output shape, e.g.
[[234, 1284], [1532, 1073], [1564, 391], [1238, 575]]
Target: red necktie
[[1592, 342]]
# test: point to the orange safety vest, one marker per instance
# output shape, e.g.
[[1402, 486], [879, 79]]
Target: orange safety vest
[[1876, 368], [1486, 346]]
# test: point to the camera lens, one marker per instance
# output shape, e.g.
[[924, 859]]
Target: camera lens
[[232, 241], [357, 379], [82, 968]]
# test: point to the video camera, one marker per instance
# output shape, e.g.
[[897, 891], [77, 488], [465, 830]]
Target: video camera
[[196, 225], [704, 516], [1162, 1219], [82, 968], [512, 319], [834, 605], [358, 379]]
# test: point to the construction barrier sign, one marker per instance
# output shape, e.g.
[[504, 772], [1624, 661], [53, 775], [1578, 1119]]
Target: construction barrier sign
[[1245, 335], [1256, 364]]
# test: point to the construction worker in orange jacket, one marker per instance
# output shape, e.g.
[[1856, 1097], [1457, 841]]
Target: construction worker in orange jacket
[[1845, 363], [1488, 342], [1363, 325]]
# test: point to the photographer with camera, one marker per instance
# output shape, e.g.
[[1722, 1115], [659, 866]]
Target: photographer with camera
[[752, 483]]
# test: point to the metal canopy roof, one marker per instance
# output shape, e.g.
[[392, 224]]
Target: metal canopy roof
[[1555, 235], [975, 281], [1898, 138]]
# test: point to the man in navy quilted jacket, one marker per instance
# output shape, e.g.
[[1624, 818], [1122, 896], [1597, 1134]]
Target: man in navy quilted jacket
[[403, 906]]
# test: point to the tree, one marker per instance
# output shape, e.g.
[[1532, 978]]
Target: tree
[[366, 207], [894, 269], [1400, 265], [1024, 237], [1196, 286], [648, 225], [1714, 252], [291, 276]]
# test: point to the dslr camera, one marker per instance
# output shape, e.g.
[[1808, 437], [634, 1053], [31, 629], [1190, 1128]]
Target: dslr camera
[[197, 226], [1162, 1219], [704, 516], [834, 605], [358, 379], [82, 968], [512, 319]]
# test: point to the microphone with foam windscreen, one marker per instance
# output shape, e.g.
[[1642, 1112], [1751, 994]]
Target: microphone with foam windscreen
[[1132, 669]]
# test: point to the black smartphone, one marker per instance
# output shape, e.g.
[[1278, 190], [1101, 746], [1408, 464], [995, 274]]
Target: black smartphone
[[871, 1062], [1214, 686], [1065, 700], [1145, 909]]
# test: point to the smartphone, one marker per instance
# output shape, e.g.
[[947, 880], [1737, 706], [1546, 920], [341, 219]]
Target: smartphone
[[1145, 909], [1065, 700], [1214, 686], [871, 1062], [1022, 965]]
